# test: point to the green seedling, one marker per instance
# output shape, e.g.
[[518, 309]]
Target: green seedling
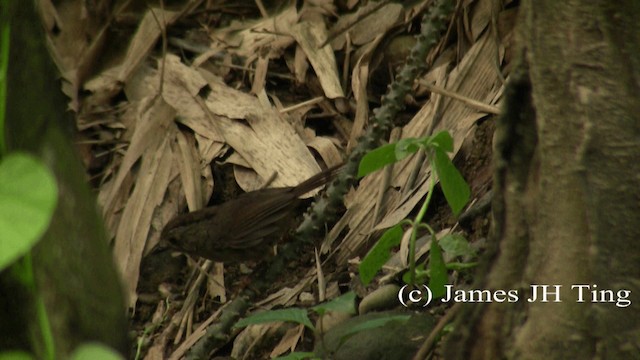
[[456, 192]]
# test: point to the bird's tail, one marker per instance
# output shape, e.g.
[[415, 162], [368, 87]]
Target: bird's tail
[[317, 180]]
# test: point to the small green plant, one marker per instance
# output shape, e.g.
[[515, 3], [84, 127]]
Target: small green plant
[[456, 192], [28, 197], [344, 303]]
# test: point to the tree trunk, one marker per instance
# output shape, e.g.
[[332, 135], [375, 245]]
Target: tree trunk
[[567, 191], [72, 264]]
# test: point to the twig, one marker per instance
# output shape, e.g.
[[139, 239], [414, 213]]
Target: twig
[[468, 101], [263, 10], [163, 30], [313, 101], [190, 301], [428, 343]]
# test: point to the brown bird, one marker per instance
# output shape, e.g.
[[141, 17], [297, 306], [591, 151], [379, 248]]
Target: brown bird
[[243, 228]]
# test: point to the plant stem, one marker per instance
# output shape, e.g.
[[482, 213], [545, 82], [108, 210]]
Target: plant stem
[[414, 231]]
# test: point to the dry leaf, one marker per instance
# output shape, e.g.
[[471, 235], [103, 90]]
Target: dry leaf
[[309, 36], [150, 143], [289, 341]]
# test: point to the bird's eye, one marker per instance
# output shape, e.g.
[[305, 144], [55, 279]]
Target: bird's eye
[[173, 241]]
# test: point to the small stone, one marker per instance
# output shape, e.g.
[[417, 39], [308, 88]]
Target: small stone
[[383, 298]]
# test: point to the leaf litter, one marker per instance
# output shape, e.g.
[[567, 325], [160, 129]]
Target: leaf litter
[[278, 102]]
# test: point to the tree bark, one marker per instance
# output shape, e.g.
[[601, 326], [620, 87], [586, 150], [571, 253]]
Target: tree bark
[[567, 194]]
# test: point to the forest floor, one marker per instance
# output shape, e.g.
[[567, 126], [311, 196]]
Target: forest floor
[[280, 102]]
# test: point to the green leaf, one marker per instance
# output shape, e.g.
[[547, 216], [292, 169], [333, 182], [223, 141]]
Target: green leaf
[[28, 196], [458, 266], [448, 329], [406, 147], [456, 245], [455, 189], [376, 159], [443, 140], [15, 355], [292, 314], [95, 351], [437, 270], [379, 254], [372, 324], [344, 303], [298, 356]]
